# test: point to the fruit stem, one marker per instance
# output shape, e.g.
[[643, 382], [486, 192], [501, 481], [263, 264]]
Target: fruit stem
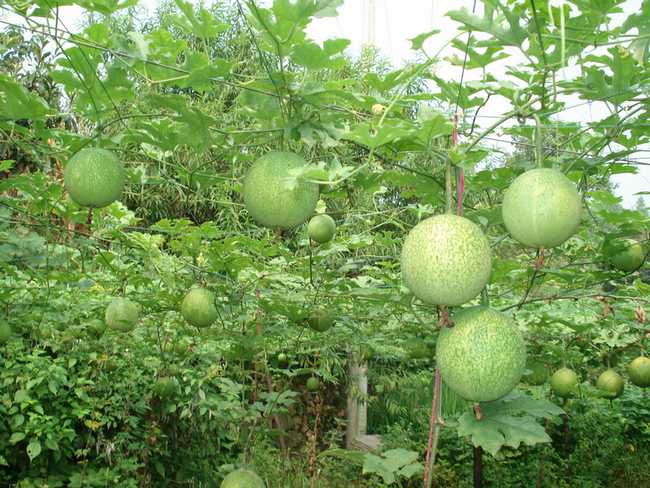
[[539, 152], [448, 188], [478, 467]]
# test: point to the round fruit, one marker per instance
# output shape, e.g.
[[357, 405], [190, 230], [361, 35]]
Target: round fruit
[[321, 228], [630, 256], [198, 307], [94, 177], [564, 383], [611, 383], [321, 320], [5, 332], [96, 328], [165, 387], [482, 357], [639, 371], [283, 360], [446, 260], [243, 478], [313, 384], [538, 374], [269, 199], [541, 208], [122, 314]]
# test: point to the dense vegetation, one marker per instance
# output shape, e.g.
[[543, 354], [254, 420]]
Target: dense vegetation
[[203, 232]]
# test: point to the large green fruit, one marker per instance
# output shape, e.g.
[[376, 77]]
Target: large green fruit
[[564, 383], [243, 478], [541, 208], [198, 307], [313, 384], [538, 374], [268, 197], [628, 257], [94, 177], [122, 314], [639, 371], [5, 332], [610, 383], [321, 228], [446, 260], [320, 320], [482, 357]]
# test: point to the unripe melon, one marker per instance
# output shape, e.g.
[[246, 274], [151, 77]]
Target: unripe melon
[[165, 387], [538, 374], [5, 332], [610, 383], [629, 256], [243, 478], [564, 383], [482, 357], [122, 314], [94, 177], [198, 307], [639, 371], [313, 384], [321, 228], [541, 208], [320, 320], [446, 260], [268, 196]]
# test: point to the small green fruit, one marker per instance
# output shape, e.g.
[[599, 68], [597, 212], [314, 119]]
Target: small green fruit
[[321, 228], [639, 371], [538, 374], [610, 383], [198, 307], [122, 314], [243, 478], [313, 384], [629, 256], [283, 360], [94, 177], [564, 383], [320, 320], [446, 260], [165, 387], [5, 332], [269, 198], [541, 208]]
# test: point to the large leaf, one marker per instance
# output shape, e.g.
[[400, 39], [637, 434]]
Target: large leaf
[[16, 102]]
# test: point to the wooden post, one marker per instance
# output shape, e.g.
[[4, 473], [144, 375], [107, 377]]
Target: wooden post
[[357, 408]]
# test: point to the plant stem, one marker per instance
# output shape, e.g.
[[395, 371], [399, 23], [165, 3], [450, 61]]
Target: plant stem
[[478, 467], [435, 424], [448, 188], [539, 152]]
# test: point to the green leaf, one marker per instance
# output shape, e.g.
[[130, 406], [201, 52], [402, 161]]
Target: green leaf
[[508, 33], [508, 422], [419, 40], [17, 103], [203, 26], [33, 449], [16, 437]]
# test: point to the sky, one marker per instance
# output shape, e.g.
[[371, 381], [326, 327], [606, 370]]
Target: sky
[[396, 21]]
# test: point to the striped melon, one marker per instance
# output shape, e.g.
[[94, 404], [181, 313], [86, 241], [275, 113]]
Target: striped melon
[[446, 260], [198, 307], [122, 314], [541, 208], [243, 478], [268, 197], [610, 383], [482, 357], [94, 177]]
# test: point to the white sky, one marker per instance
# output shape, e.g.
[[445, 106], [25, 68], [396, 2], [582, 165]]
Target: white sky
[[396, 21]]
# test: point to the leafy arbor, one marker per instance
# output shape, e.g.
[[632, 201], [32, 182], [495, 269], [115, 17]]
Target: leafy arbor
[[188, 105]]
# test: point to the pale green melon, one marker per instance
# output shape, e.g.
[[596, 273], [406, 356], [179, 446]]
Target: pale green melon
[[198, 307], [243, 478], [94, 177], [122, 314], [564, 383], [313, 384], [165, 387], [320, 319], [639, 371], [5, 332], [268, 196], [446, 260], [629, 256], [610, 383], [321, 228], [542, 208], [482, 357]]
